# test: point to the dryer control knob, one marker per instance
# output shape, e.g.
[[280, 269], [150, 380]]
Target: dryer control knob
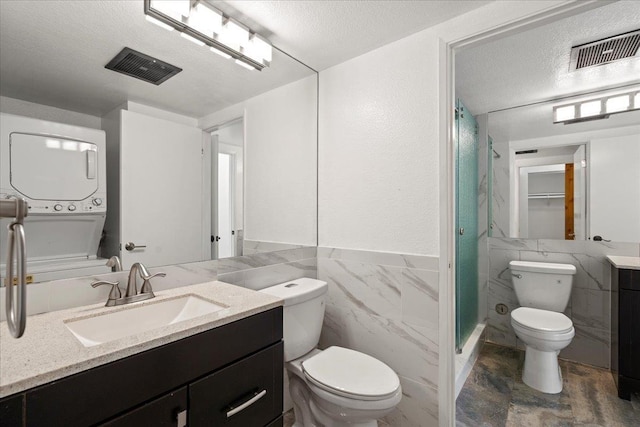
[[97, 201], [57, 207], [72, 208]]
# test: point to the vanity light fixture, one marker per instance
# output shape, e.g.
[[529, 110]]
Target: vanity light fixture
[[201, 23], [597, 108]]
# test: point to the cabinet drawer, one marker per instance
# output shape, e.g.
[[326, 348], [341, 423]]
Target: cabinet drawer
[[162, 412], [246, 393]]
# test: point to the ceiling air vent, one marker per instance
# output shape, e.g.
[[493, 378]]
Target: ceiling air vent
[[141, 66], [605, 51]]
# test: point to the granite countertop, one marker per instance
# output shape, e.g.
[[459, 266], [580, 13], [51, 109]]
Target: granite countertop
[[49, 351], [629, 262]]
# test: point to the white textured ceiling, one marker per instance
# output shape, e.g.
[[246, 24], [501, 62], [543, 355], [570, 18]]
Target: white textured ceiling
[[54, 52], [533, 66], [323, 33]]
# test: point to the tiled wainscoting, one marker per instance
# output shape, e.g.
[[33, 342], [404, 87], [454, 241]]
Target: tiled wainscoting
[[386, 305], [250, 247], [590, 304], [261, 270]]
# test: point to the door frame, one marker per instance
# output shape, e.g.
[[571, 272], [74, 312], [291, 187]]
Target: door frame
[[508, 19]]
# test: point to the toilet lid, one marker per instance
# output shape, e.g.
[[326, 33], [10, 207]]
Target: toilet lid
[[350, 373], [541, 320]]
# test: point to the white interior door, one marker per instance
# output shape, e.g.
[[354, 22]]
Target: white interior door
[[160, 191]]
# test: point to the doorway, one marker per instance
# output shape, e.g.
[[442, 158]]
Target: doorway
[[227, 159]]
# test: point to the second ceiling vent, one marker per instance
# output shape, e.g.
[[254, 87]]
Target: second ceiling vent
[[604, 51]]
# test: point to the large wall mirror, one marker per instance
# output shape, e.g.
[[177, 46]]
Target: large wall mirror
[[573, 181], [217, 161], [547, 177]]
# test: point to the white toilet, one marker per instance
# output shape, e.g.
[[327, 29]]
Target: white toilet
[[337, 386], [543, 290]]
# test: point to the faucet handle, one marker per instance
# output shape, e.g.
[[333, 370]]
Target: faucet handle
[[146, 285], [115, 290], [151, 276]]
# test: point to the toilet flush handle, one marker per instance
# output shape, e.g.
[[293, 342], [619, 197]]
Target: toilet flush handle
[[517, 275]]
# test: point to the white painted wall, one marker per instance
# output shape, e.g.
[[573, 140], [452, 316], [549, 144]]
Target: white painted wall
[[46, 112], [378, 155], [280, 131], [614, 175]]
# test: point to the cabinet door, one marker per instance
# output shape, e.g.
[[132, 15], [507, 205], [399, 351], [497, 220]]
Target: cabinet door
[[629, 334], [246, 393], [166, 411], [11, 411]]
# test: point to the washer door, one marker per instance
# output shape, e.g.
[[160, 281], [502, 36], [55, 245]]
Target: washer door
[[46, 167]]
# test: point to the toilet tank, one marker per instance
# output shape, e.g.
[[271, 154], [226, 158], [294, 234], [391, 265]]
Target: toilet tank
[[542, 285], [303, 314]]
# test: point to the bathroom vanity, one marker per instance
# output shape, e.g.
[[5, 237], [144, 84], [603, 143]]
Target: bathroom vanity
[[625, 318], [223, 369]]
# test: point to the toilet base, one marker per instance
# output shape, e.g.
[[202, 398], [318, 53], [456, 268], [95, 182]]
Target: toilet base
[[542, 371], [309, 414]]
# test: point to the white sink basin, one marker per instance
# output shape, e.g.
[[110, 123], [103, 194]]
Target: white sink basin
[[92, 331]]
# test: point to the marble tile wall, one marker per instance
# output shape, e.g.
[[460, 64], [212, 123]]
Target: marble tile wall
[[250, 247], [386, 305], [590, 304], [500, 190], [262, 270], [483, 213]]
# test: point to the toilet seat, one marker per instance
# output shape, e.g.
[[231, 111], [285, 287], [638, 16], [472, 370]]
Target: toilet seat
[[351, 374], [541, 321]]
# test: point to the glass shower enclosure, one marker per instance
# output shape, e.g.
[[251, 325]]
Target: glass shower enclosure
[[466, 149]]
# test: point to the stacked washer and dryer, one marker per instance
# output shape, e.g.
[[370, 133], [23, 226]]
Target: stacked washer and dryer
[[60, 170]]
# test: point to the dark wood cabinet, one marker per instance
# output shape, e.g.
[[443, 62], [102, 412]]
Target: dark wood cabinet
[[625, 333], [205, 374]]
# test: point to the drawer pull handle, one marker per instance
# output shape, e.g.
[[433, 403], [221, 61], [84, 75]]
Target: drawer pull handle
[[257, 396]]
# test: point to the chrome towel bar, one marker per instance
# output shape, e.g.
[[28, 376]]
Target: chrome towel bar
[[16, 305]]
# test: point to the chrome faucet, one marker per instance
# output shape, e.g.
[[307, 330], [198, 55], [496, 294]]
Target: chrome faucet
[[131, 294], [132, 286]]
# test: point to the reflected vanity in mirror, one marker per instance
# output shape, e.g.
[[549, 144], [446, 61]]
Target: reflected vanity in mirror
[[217, 161]]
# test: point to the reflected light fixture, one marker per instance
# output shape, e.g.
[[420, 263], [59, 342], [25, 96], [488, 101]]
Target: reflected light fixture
[[597, 108], [201, 23]]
